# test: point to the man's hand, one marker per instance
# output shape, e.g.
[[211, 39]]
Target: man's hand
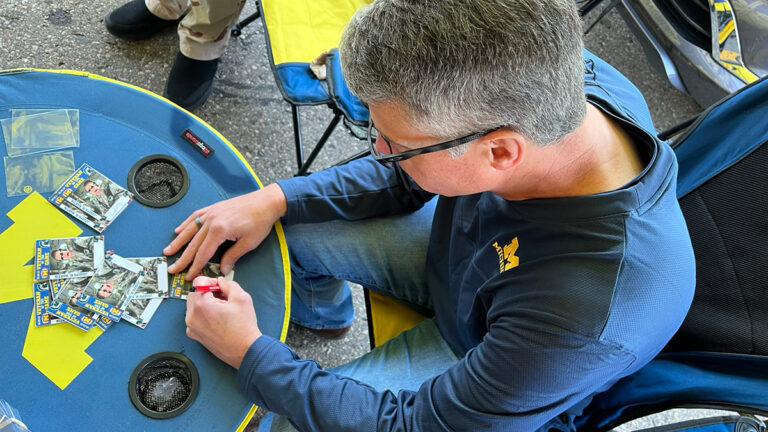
[[246, 220], [226, 325]]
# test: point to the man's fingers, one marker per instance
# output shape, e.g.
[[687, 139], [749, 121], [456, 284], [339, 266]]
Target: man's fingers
[[183, 238], [190, 218], [229, 287], [203, 253], [233, 254], [189, 253], [204, 280]]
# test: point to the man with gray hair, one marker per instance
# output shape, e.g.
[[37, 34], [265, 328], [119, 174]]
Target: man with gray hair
[[529, 209]]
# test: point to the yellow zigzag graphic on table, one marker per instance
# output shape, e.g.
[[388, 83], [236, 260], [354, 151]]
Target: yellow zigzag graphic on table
[[56, 351]]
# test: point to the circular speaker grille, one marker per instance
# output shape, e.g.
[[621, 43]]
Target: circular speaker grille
[[158, 180], [163, 385]]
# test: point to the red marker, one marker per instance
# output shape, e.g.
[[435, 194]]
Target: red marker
[[206, 288]]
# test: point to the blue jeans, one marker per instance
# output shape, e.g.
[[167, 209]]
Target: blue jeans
[[387, 255]]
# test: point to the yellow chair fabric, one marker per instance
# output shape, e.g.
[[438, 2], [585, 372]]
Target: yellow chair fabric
[[300, 30], [388, 318]]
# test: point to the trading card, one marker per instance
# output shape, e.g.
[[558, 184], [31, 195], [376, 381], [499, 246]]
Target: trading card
[[155, 281], [65, 294], [111, 286], [139, 312], [70, 257], [92, 194], [42, 294], [180, 288]]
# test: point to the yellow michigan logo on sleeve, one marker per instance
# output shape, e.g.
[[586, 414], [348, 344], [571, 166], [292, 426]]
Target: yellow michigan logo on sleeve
[[507, 257]]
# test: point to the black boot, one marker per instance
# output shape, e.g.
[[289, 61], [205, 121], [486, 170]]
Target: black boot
[[133, 21], [190, 81]]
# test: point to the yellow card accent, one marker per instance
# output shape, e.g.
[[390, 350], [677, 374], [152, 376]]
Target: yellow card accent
[[300, 30], [58, 351], [33, 218]]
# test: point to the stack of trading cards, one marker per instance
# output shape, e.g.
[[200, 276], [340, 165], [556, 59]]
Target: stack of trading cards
[[91, 197], [180, 288], [78, 283], [58, 262]]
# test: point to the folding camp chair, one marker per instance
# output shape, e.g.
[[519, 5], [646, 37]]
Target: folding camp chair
[[297, 33], [719, 357]]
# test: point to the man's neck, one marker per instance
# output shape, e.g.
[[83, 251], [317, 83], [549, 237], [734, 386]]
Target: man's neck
[[597, 157]]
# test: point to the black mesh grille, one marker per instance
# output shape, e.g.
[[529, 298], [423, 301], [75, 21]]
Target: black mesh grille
[[728, 222], [158, 180], [164, 385]]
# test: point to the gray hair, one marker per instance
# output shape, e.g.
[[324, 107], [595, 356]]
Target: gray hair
[[464, 66]]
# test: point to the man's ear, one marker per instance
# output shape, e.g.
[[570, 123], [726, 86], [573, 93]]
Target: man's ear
[[506, 149]]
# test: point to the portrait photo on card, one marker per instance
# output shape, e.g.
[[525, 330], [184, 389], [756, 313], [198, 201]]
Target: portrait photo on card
[[154, 284], [101, 194], [111, 286], [69, 257]]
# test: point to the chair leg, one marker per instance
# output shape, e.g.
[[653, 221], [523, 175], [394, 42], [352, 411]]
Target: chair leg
[[304, 168], [297, 135], [237, 29]]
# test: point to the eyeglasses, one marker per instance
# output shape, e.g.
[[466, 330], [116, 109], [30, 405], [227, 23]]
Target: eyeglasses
[[389, 159]]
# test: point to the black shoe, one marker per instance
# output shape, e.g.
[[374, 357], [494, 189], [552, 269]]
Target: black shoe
[[133, 21], [190, 81], [336, 333]]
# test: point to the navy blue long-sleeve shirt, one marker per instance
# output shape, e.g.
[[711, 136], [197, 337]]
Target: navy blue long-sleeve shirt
[[546, 301]]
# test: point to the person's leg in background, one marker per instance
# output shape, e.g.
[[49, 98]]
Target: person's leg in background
[[386, 255], [203, 37]]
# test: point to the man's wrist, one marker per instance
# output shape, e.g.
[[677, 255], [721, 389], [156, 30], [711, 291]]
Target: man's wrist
[[276, 200], [237, 362]]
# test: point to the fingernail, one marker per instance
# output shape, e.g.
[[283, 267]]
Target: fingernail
[[226, 269]]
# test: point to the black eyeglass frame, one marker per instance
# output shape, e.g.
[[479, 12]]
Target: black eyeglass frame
[[388, 160]]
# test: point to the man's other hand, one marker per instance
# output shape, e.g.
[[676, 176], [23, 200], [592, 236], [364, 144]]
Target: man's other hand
[[226, 325], [245, 220]]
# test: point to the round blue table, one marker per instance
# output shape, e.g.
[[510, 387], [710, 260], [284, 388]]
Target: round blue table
[[62, 378]]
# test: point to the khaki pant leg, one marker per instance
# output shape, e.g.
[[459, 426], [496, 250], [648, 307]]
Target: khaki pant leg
[[204, 32], [167, 9]]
